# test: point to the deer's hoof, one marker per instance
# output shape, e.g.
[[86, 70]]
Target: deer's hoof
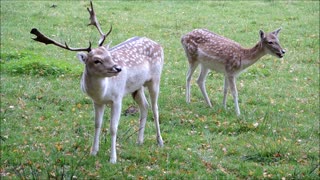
[[160, 142], [93, 152], [113, 161], [140, 142]]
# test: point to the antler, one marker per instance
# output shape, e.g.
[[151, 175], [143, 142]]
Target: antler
[[94, 21], [44, 39]]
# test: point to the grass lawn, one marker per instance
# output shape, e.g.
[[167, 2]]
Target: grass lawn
[[47, 123]]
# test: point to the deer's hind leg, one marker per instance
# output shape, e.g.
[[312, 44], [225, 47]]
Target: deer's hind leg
[[142, 102], [192, 67], [154, 87]]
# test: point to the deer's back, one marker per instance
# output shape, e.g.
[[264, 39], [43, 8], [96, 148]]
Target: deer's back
[[201, 42], [138, 51], [141, 59]]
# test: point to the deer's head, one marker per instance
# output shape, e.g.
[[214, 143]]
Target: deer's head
[[271, 43], [98, 61]]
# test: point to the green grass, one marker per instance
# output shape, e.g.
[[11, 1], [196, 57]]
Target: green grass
[[47, 122]]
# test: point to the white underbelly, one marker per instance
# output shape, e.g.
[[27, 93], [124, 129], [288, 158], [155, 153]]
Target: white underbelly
[[213, 64]]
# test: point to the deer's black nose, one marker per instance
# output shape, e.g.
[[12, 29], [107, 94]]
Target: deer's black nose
[[116, 68], [283, 51]]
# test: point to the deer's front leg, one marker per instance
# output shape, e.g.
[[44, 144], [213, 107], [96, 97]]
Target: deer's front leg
[[201, 82], [114, 122], [225, 91], [98, 118], [234, 91]]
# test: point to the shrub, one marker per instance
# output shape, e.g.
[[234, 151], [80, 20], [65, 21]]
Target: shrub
[[28, 63]]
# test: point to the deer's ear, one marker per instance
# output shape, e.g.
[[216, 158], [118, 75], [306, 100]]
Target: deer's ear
[[276, 32], [262, 35], [82, 57], [108, 45]]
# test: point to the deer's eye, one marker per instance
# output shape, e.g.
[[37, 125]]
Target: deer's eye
[[97, 62], [270, 42]]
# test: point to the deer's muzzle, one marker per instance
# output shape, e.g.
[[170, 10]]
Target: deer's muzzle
[[116, 68]]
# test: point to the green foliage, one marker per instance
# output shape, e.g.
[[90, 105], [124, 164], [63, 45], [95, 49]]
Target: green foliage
[[47, 122], [28, 63]]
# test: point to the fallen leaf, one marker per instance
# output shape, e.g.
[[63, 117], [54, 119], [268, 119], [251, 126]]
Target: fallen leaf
[[59, 146]]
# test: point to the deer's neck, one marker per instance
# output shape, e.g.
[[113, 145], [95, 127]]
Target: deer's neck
[[94, 86], [252, 55]]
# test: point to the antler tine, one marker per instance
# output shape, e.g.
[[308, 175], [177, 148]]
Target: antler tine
[[103, 38], [94, 21], [44, 39]]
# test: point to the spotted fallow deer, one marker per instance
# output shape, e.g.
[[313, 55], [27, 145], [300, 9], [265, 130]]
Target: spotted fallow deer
[[111, 73], [214, 52]]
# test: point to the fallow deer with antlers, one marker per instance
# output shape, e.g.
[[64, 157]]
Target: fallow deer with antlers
[[214, 52], [111, 73]]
